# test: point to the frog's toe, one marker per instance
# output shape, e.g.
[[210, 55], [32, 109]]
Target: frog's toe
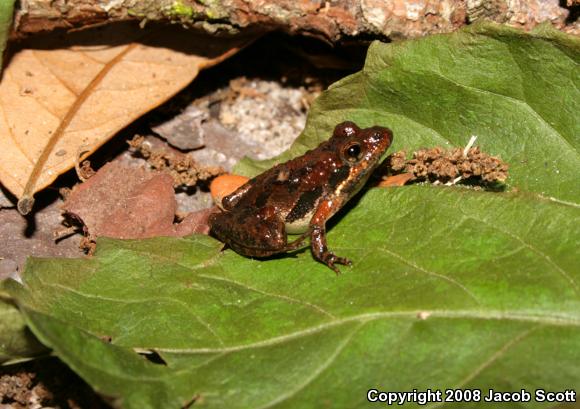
[[330, 260], [343, 260], [334, 268]]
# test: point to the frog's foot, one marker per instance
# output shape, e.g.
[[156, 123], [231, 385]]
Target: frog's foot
[[320, 250], [330, 260]]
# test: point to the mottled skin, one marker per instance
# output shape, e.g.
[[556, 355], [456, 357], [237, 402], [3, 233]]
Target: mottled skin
[[299, 196]]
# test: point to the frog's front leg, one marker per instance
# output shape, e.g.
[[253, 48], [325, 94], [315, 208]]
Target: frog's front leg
[[318, 236]]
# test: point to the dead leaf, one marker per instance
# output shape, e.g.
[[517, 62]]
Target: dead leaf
[[396, 180], [130, 203], [195, 222], [59, 103], [223, 185]]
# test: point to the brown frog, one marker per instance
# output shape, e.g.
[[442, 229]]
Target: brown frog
[[299, 196]]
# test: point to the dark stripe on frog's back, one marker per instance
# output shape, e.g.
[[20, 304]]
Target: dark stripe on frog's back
[[295, 179], [262, 199], [306, 202], [259, 197], [309, 198]]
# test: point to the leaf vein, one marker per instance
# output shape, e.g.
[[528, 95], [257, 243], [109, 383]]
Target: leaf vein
[[548, 259], [274, 295], [498, 354], [517, 101], [317, 372], [138, 301], [555, 320]]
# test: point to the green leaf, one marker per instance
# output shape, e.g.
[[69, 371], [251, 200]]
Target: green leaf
[[450, 288], [6, 10], [16, 341], [518, 93]]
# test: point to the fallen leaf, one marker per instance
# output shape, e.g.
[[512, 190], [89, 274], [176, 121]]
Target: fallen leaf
[[396, 180], [65, 99], [129, 203], [223, 185]]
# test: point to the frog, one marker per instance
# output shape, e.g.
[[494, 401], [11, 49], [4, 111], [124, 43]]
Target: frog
[[298, 197]]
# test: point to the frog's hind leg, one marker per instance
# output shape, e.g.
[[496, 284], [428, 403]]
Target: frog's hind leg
[[299, 242], [251, 233]]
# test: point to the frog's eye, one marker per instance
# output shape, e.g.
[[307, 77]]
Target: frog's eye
[[352, 152]]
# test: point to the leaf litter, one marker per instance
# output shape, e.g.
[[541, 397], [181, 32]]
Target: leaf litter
[[66, 96], [129, 203], [223, 146], [104, 206]]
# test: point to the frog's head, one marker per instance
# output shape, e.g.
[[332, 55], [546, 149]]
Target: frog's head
[[359, 152], [361, 149]]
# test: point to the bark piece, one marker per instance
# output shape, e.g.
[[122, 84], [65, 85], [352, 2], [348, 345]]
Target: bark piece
[[330, 20]]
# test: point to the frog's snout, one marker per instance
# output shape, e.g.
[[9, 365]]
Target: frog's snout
[[382, 134], [379, 138]]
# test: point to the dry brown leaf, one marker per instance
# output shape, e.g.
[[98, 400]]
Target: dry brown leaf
[[396, 180], [223, 185], [57, 104]]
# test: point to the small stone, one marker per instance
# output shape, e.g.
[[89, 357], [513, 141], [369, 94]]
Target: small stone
[[184, 131]]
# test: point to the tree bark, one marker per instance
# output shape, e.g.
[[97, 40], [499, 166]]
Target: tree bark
[[331, 20]]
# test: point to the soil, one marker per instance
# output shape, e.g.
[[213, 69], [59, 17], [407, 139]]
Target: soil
[[45, 383]]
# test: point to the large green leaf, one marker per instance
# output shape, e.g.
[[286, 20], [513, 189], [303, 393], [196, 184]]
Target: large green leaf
[[450, 287]]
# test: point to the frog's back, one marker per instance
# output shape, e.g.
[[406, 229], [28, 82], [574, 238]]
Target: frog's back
[[295, 188]]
